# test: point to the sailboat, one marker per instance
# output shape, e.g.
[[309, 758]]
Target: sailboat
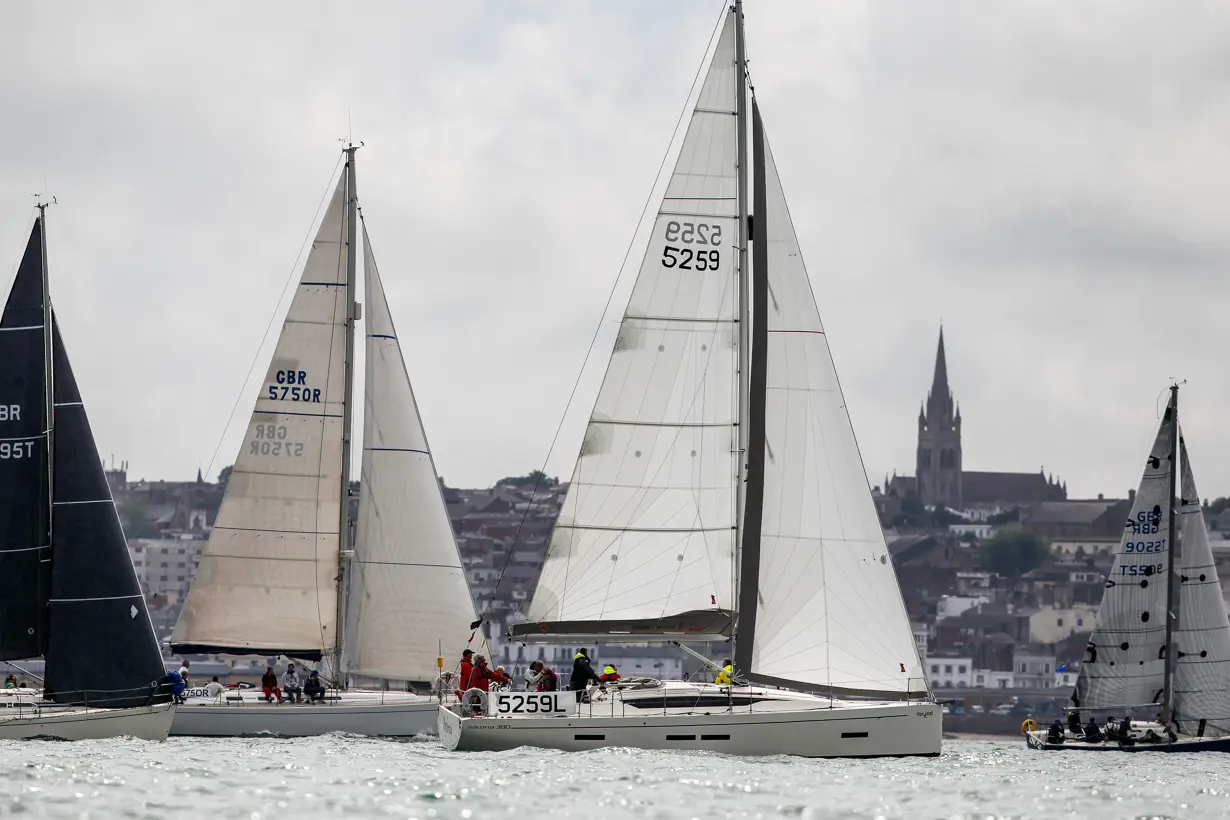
[[720, 495], [278, 575], [68, 590], [1161, 649]]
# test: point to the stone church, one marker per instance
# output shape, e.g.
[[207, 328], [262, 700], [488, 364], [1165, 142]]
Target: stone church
[[939, 475]]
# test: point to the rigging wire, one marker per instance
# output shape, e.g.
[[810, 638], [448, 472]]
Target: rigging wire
[[276, 310], [606, 307]]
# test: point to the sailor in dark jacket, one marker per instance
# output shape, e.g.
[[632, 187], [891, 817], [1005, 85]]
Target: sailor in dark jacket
[[582, 673]]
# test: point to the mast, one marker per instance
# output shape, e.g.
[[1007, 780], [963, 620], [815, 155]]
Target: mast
[[343, 532], [48, 367], [744, 313], [1172, 582]]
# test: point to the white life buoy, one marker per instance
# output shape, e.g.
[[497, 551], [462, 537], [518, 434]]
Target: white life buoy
[[475, 697]]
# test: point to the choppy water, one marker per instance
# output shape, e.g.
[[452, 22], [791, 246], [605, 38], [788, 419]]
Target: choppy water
[[358, 777]]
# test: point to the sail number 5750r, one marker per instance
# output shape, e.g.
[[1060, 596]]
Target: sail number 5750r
[[692, 258]]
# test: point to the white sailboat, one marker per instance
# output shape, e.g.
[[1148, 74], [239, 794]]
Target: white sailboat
[[1161, 650], [719, 488], [278, 575], [68, 591]]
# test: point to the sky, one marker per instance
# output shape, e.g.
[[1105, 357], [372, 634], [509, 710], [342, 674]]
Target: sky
[[1048, 179]]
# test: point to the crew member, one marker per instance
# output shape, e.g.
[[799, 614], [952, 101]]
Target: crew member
[[1054, 734], [727, 676], [482, 675], [541, 678], [467, 666], [583, 674], [610, 674], [1074, 722]]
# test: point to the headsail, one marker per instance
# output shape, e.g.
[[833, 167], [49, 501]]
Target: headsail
[[24, 558], [820, 607], [1123, 663], [644, 543], [102, 649], [266, 583], [408, 591], [1202, 672]]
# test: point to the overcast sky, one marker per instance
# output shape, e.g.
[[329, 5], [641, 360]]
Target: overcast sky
[[1050, 178]]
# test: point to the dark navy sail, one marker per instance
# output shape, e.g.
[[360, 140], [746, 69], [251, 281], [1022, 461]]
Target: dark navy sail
[[24, 557], [103, 650]]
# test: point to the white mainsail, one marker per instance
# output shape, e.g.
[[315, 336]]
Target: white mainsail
[[266, 583], [1123, 664], [829, 612], [646, 534], [408, 591], [1202, 671]]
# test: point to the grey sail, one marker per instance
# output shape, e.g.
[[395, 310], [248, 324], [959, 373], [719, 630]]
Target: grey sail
[[1202, 668], [1123, 663]]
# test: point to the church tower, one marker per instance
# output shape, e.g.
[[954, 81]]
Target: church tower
[[938, 468]]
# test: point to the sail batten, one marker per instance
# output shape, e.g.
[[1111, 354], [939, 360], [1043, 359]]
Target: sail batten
[[407, 592], [655, 483], [266, 582]]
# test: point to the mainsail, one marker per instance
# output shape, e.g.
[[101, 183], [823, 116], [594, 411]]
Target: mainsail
[[408, 590], [820, 607], [644, 543], [24, 547], [1123, 663], [1202, 669], [266, 583]]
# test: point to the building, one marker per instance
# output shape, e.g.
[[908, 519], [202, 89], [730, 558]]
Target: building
[[940, 477], [949, 672], [1093, 520], [1033, 668]]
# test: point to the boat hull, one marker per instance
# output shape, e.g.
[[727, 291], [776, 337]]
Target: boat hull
[[402, 715], [1037, 740], [890, 730], [145, 722]]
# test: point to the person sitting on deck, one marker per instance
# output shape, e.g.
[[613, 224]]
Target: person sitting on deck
[[1054, 734], [727, 676], [1092, 733], [541, 678], [314, 688], [1125, 732], [10, 682], [183, 673], [214, 689], [269, 685], [610, 674], [1111, 731], [292, 684], [1074, 722]]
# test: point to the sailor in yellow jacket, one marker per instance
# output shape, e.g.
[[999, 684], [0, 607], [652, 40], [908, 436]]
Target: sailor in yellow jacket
[[727, 675]]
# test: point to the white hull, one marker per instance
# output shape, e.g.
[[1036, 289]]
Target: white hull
[[383, 714], [74, 723], [778, 723]]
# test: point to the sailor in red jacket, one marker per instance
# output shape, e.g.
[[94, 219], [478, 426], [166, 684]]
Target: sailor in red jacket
[[467, 666], [483, 675]]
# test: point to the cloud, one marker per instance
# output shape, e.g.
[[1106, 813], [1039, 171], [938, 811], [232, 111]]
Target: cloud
[[1047, 178]]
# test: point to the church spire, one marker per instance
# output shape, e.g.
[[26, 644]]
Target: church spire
[[939, 384]]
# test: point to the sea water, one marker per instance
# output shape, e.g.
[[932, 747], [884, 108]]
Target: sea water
[[343, 776]]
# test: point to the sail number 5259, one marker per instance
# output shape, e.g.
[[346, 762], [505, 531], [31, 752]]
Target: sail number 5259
[[692, 233]]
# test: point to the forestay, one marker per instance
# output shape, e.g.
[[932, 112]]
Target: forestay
[[266, 583], [829, 614], [1123, 663], [645, 540], [1202, 672], [408, 591]]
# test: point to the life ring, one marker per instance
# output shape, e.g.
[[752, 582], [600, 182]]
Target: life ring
[[475, 697], [1028, 726]]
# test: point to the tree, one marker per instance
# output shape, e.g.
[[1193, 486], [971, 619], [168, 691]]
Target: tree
[[225, 475], [1219, 505], [1012, 553], [535, 478]]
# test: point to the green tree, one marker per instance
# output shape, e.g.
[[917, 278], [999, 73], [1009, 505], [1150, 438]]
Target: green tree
[[1012, 553]]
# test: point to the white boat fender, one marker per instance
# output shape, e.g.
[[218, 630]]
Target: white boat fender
[[473, 698]]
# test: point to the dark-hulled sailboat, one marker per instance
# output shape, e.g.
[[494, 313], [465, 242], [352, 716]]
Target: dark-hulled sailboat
[[68, 591]]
